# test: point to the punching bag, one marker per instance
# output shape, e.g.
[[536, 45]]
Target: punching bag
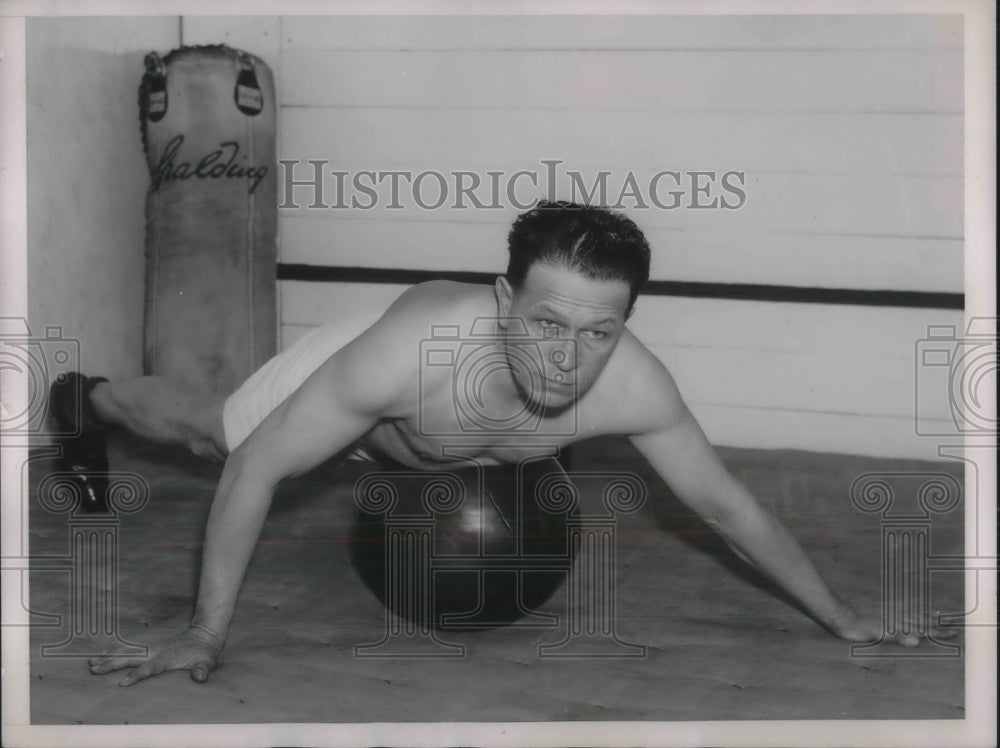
[[207, 116]]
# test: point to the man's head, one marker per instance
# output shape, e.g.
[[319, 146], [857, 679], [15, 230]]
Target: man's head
[[573, 277], [595, 242]]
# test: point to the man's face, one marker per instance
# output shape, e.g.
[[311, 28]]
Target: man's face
[[579, 321]]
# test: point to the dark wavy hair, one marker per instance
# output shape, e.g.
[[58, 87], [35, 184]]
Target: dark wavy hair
[[597, 242]]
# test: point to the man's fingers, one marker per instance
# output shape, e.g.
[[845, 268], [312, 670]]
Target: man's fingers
[[100, 666], [177, 654], [142, 672], [104, 658]]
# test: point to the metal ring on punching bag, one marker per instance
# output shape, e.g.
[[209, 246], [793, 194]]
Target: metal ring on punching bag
[[208, 123]]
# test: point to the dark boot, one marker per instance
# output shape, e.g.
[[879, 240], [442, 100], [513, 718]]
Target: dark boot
[[82, 436]]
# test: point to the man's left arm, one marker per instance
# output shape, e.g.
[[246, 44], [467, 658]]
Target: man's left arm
[[679, 451]]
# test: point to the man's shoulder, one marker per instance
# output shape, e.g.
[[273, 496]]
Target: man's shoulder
[[393, 341], [639, 364], [438, 302], [645, 393]]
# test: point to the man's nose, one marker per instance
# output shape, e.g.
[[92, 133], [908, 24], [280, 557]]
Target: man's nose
[[563, 354]]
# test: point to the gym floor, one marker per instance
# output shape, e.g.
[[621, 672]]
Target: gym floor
[[720, 644]]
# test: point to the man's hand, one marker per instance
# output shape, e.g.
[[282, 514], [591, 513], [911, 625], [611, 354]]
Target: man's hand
[[865, 629], [190, 650]]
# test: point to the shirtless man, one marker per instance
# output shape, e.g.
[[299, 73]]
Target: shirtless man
[[573, 277]]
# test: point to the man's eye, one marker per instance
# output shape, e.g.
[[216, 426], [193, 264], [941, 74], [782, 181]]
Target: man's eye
[[597, 334], [548, 323]]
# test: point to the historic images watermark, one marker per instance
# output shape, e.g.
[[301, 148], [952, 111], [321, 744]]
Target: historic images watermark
[[312, 184], [38, 359], [954, 374], [90, 621], [418, 571], [90, 618], [477, 545], [463, 365], [907, 503]]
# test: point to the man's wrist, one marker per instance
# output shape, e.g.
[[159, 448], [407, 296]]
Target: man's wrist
[[206, 635]]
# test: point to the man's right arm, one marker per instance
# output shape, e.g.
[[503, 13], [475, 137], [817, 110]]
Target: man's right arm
[[341, 401], [332, 408]]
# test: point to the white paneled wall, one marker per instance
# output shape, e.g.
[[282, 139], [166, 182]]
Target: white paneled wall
[[87, 179], [848, 130]]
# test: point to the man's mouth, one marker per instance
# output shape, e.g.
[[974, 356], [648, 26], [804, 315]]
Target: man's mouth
[[559, 384]]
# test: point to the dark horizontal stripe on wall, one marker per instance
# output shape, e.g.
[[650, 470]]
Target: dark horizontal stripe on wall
[[692, 289]]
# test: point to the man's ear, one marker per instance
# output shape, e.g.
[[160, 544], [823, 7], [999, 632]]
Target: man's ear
[[505, 297]]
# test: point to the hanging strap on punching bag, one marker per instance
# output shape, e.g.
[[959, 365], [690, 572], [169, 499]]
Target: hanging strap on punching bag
[[155, 104], [247, 94]]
